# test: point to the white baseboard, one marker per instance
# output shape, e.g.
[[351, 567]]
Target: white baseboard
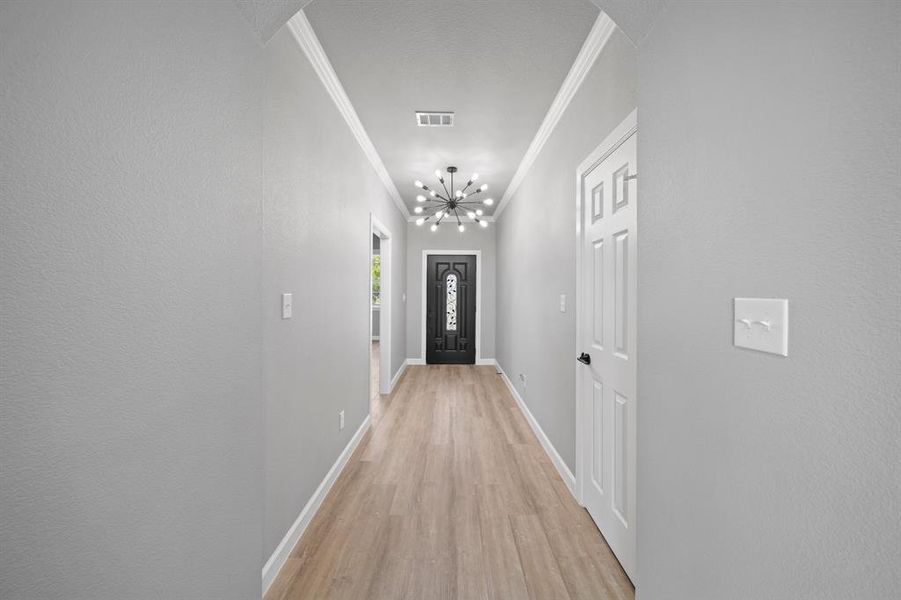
[[398, 375], [479, 361], [568, 478], [278, 558]]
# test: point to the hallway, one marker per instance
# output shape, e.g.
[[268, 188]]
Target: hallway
[[627, 272], [450, 496]]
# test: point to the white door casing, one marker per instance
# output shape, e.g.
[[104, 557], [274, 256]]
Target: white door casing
[[378, 229], [606, 330]]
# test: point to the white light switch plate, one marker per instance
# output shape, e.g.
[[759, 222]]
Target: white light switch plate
[[762, 324], [287, 308], [562, 302]]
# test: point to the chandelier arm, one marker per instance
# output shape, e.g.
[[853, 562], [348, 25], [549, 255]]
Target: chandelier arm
[[471, 194], [446, 191], [423, 214]]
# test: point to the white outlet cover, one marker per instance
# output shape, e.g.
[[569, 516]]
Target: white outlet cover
[[563, 303], [287, 306], [761, 324]]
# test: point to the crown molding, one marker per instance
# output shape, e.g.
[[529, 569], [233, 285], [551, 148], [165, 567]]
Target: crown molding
[[306, 38], [597, 38]]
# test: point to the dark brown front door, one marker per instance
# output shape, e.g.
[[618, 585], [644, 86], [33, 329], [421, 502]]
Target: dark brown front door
[[451, 309]]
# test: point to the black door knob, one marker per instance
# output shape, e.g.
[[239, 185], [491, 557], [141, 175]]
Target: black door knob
[[584, 358]]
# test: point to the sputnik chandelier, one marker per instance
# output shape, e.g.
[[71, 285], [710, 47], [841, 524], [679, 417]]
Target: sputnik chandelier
[[437, 208]]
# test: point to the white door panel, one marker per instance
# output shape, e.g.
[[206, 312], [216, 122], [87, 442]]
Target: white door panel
[[608, 385]]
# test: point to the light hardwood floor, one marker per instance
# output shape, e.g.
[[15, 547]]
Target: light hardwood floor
[[450, 496]]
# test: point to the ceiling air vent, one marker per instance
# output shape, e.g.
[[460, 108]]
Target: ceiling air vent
[[435, 119]]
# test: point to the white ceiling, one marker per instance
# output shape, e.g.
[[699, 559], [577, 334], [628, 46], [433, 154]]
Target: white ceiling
[[496, 63]]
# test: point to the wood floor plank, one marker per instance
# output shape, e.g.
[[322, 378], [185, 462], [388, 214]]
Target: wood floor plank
[[450, 496], [503, 568], [471, 581], [539, 565], [363, 557], [533, 482]]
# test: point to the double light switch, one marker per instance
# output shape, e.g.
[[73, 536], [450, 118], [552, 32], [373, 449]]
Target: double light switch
[[762, 324]]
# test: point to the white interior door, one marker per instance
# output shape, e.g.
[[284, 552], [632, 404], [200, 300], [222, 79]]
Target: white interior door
[[607, 334]]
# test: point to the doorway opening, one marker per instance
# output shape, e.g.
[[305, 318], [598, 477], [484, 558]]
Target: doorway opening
[[451, 306], [379, 338]]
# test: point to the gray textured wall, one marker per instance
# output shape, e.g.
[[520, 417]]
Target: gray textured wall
[[164, 179], [536, 248], [318, 362], [768, 166], [421, 238], [131, 434]]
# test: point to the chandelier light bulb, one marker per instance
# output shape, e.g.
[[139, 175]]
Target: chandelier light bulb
[[417, 210], [439, 175], [483, 223], [433, 193], [420, 198], [459, 194], [479, 212], [484, 187], [439, 214], [475, 177], [434, 227], [460, 228], [420, 220], [418, 184], [488, 201], [471, 215]]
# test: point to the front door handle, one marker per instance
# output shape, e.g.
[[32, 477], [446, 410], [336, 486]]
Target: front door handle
[[584, 358]]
